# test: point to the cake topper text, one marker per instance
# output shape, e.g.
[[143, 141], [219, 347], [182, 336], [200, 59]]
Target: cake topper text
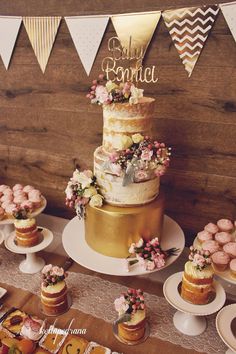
[[135, 72]]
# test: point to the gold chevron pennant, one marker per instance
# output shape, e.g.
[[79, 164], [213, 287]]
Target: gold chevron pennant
[[42, 32], [135, 30], [189, 29]]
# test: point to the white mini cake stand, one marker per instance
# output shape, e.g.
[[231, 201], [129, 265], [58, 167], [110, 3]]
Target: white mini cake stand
[[189, 319], [7, 225], [223, 325], [32, 264]]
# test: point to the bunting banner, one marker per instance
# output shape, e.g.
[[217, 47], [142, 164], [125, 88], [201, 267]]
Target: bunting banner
[[189, 29], [229, 12], [135, 31], [87, 33], [42, 33], [9, 28]]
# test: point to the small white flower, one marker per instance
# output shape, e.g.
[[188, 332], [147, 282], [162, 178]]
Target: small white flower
[[139, 243], [96, 200], [121, 306], [136, 94], [132, 248], [89, 192], [47, 268]]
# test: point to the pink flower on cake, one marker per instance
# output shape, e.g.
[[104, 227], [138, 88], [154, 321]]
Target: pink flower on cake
[[116, 169], [113, 157], [47, 268], [198, 260], [96, 200], [146, 155], [141, 175], [57, 271], [101, 94], [121, 305], [159, 260]]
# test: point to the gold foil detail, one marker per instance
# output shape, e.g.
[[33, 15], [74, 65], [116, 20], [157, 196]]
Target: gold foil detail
[[110, 230]]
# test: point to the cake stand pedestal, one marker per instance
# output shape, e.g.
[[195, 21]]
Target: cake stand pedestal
[[6, 226], [75, 245], [223, 325], [190, 319], [32, 263]]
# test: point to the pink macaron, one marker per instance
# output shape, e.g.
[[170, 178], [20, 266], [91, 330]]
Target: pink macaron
[[7, 191], [211, 245], [17, 187], [6, 198], [28, 188], [10, 208], [220, 260], [223, 237], [4, 187], [225, 225], [204, 236], [20, 193], [232, 267], [27, 204], [230, 248], [19, 199], [212, 228]]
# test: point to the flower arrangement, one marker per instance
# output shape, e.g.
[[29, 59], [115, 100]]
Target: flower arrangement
[[129, 303], [200, 258], [81, 190], [148, 254], [103, 91], [21, 213], [52, 275], [141, 159]]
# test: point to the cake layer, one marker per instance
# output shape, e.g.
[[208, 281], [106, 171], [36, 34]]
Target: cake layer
[[115, 193], [55, 290], [110, 230], [194, 297], [124, 119]]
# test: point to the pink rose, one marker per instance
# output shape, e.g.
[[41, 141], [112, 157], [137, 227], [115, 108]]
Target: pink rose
[[159, 260], [146, 155], [47, 268], [198, 260], [116, 169], [101, 94], [141, 175], [58, 271], [113, 157], [150, 265]]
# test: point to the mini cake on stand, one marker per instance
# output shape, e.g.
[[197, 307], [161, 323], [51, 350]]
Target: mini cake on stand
[[27, 234], [197, 278], [130, 328], [54, 296]]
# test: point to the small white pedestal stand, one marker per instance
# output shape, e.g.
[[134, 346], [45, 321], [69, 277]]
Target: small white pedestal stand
[[190, 319], [32, 264], [223, 325], [6, 226]]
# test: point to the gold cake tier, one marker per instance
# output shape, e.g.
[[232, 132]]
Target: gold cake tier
[[110, 230]]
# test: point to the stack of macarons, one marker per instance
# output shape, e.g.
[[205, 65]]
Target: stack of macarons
[[17, 198], [220, 240]]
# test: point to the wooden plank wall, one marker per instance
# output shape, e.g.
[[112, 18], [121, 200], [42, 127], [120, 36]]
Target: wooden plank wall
[[47, 126]]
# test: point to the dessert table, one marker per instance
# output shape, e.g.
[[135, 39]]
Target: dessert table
[[93, 295]]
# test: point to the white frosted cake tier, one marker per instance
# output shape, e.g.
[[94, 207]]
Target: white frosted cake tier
[[123, 119], [137, 193]]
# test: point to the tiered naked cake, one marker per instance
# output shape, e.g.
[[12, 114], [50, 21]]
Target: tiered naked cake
[[127, 167]]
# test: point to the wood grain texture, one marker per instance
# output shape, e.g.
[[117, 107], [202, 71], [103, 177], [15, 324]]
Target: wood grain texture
[[47, 126]]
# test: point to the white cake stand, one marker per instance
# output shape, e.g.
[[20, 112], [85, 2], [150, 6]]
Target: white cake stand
[[223, 326], [189, 319], [73, 239], [32, 264], [6, 225], [1, 237]]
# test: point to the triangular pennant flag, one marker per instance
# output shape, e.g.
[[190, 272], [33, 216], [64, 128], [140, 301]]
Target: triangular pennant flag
[[189, 29], [87, 33], [9, 28], [42, 32], [135, 30], [229, 11]]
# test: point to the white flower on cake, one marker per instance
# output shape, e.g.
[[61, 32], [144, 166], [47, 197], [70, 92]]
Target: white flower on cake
[[146, 155], [89, 192], [121, 305], [139, 243], [136, 94], [58, 271], [47, 268], [96, 201], [68, 191], [137, 138], [110, 85], [123, 142], [102, 96]]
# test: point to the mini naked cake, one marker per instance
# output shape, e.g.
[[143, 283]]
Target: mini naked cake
[[53, 290], [26, 232], [132, 315], [197, 279]]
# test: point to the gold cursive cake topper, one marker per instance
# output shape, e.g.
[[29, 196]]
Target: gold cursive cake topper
[[125, 63]]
